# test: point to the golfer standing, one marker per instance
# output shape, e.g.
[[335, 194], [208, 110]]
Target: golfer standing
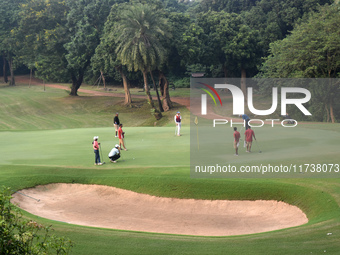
[[246, 119], [114, 154], [237, 136], [96, 150], [116, 123], [121, 136], [178, 120], [249, 134]]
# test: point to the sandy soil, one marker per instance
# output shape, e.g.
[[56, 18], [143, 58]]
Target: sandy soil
[[109, 207]]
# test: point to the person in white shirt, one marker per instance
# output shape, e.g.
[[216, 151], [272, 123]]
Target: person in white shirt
[[178, 120], [114, 154]]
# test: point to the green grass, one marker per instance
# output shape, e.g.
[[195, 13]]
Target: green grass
[[24, 108], [46, 138]]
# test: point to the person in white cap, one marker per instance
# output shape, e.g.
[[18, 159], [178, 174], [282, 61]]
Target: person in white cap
[[178, 120], [96, 150], [114, 154]]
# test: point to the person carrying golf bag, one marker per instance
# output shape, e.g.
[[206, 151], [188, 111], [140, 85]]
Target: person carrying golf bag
[[114, 154], [95, 145]]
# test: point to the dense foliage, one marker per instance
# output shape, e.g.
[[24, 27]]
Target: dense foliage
[[21, 236], [69, 41]]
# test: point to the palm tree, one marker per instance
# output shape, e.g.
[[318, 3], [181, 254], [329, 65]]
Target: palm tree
[[138, 42]]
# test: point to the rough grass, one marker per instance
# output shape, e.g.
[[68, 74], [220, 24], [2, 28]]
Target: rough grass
[[24, 108]]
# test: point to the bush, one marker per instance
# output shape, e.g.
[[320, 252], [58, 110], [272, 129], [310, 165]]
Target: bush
[[21, 236], [182, 83]]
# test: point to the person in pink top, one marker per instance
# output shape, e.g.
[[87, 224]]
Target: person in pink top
[[121, 134], [95, 145], [249, 134]]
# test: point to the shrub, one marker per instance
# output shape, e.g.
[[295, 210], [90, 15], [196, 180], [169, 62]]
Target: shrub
[[21, 236], [182, 83]]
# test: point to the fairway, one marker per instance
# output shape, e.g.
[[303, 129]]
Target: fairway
[[157, 163]]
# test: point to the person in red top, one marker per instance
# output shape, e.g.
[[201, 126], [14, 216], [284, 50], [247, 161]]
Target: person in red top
[[249, 134], [178, 120], [237, 136], [95, 145], [121, 136]]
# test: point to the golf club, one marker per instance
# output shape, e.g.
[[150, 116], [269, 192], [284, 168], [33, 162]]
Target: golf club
[[101, 154], [121, 155], [38, 200], [258, 146]]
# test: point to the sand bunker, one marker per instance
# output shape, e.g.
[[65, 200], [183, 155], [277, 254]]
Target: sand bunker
[[109, 207]]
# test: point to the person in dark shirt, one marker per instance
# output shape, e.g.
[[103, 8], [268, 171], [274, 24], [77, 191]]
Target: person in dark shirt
[[116, 123]]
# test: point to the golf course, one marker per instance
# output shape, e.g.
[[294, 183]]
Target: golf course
[[47, 139]]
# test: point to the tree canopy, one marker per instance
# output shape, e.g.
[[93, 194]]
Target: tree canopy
[[312, 50], [69, 41]]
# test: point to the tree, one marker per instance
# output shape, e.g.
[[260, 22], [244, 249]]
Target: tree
[[105, 58], [22, 236], [64, 36], [85, 22], [243, 51], [230, 6], [311, 51], [9, 17], [138, 43], [274, 19]]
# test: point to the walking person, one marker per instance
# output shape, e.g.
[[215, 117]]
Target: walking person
[[249, 134], [178, 121], [95, 145], [121, 136], [237, 137], [116, 123], [114, 154], [246, 119]]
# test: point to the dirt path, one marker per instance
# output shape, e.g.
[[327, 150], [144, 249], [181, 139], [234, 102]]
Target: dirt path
[[24, 79], [185, 101]]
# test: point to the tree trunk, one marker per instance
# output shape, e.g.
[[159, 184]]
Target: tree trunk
[[128, 99], [146, 88], [225, 71], [331, 112], [158, 98], [4, 68], [243, 83], [157, 114], [10, 63], [29, 84], [326, 107], [101, 73], [164, 88], [76, 82]]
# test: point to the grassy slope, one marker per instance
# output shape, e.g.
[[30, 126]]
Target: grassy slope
[[63, 154]]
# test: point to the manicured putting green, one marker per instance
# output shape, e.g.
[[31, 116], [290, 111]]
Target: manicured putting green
[[159, 147], [147, 146]]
